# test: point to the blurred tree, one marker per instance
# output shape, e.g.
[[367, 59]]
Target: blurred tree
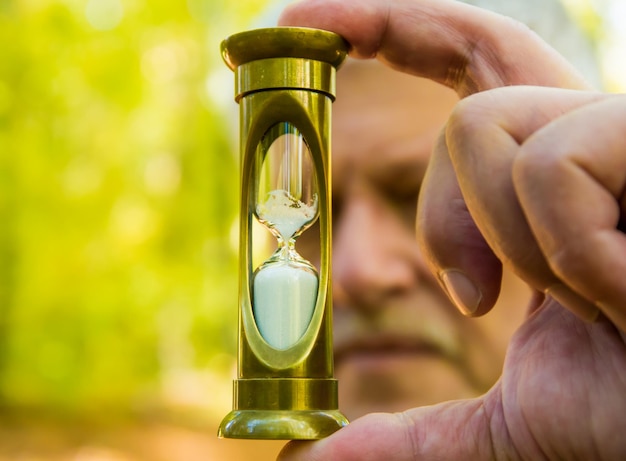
[[118, 193]]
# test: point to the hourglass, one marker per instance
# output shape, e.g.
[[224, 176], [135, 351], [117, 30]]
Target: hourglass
[[285, 85]]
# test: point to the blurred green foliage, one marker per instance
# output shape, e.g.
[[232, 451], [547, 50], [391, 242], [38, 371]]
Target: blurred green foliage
[[118, 193]]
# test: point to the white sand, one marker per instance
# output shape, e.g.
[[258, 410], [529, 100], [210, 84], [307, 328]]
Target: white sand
[[284, 300], [285, 213]]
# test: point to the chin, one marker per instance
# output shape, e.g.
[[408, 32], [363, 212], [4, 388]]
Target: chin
[[399, 382]]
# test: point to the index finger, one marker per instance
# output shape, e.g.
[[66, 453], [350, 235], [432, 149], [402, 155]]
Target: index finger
[[461, 46]]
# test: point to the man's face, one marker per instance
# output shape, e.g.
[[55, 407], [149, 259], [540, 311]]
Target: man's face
[[399, 343]]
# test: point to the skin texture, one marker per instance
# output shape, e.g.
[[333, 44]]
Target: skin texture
[[533, 180]]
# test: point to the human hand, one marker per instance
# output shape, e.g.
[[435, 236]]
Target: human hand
[[547, 404], [536, 177]]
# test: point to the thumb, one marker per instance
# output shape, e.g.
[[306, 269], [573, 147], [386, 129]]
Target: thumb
[[448, 431]]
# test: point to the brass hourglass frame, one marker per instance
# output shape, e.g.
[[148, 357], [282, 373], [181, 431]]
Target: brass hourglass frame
[[284, 74]]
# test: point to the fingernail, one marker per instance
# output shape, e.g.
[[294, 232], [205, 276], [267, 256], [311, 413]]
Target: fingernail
[[578, 305], [461, 290]]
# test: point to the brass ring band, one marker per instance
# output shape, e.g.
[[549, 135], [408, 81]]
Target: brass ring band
[[295, 394], [285, 74]]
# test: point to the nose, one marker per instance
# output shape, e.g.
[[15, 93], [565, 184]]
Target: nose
[[375, 254]]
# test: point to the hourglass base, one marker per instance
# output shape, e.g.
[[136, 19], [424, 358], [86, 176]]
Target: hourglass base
[[283, 409]]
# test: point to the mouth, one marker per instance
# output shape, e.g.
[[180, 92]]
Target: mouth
[[372, 355], [381, 351], [406, 331], [391, 373]]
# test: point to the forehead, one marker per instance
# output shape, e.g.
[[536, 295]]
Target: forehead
[[384, 121]]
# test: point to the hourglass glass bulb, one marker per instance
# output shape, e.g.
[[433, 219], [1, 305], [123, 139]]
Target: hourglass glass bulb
[[285, 286], [287, 200]]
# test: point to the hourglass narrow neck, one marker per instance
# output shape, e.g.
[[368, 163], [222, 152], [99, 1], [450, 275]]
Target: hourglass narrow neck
[[285, 216]]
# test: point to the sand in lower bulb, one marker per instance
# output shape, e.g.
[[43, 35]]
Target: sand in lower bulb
[[284, 300]]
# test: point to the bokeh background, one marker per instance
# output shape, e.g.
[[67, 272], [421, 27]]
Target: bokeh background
[[118, 205]]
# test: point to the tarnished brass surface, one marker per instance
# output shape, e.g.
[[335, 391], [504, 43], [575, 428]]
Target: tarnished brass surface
[[311, 356], [284, 75], [283, 409], [300, 394], [284, 42], [281, 425]]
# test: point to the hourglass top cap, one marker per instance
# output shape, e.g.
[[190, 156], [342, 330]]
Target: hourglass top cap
[[284, 42]]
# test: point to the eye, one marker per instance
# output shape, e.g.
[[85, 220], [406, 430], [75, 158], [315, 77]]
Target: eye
[[409, 211], [404, 201]]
